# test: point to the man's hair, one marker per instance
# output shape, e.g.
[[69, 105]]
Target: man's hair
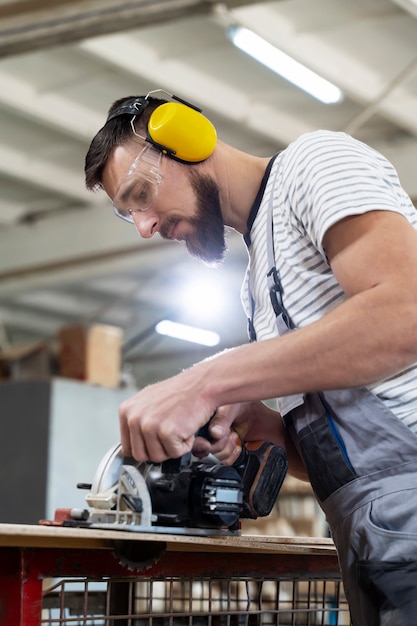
[[116, 132]]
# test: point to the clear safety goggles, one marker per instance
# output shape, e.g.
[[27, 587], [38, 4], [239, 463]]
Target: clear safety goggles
[[139, 187]]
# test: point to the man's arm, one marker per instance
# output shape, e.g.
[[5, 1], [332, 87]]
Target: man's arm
[[369, 337]]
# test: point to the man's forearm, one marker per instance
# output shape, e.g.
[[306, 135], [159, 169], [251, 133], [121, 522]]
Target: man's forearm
[[364, 340]]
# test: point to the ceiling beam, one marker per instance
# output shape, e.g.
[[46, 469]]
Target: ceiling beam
[[28, 25], [47, 108], [408, 5], [68, 247], [79, 244]]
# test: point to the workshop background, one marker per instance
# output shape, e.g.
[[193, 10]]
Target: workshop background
[[73, 278]]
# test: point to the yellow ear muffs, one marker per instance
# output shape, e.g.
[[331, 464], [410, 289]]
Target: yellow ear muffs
[[182, 132]]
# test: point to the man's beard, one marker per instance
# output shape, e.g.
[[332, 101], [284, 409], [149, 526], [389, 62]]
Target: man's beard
[[207, 242]]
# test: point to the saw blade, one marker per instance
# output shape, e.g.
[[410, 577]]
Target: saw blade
[[138, 555]]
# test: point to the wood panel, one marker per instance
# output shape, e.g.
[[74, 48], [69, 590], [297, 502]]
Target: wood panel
[[30, 536]]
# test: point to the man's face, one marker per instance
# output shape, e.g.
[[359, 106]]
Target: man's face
[[186, 206]]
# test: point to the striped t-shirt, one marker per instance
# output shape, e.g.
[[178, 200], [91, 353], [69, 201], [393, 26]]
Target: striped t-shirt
[[319, 179]]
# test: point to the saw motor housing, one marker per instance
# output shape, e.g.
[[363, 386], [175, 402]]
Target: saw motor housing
[[187, 493]]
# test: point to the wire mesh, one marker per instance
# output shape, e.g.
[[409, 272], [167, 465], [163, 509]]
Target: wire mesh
[[175, 601]]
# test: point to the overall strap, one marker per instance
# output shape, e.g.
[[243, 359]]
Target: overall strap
[[283, 321]]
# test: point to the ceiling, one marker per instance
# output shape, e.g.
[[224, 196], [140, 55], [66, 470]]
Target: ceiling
[[64, 258]]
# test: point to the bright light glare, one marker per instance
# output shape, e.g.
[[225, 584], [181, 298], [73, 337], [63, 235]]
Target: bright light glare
[[204, 298], [187, 333], [284, 65]]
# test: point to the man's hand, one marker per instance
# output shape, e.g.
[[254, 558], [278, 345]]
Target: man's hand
[[248, 421], [160, 421], [222, 439], [235, 423]]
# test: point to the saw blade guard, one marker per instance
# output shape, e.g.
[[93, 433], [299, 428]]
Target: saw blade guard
[[102, 494], [119, 494]]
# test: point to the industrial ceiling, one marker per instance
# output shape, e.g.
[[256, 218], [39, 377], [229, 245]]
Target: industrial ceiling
[[64, 257]]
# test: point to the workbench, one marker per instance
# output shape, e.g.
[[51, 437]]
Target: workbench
[[37, 563]]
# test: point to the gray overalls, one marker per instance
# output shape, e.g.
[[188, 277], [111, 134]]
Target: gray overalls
[[362, 464]]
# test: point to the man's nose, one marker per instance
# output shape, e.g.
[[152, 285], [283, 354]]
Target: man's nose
[[146, 223]]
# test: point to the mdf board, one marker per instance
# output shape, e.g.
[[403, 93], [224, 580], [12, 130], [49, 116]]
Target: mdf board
[[62, 537], [53, 436]]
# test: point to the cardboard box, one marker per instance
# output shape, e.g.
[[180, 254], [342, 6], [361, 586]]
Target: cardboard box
[[91, 353]]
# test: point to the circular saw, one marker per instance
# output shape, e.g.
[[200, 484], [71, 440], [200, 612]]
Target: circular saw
[[184, 495]]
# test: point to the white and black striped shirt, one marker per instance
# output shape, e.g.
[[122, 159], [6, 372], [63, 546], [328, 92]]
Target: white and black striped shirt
[[319, 179]]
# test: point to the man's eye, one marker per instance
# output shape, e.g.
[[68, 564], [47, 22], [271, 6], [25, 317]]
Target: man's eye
[[143, 194]]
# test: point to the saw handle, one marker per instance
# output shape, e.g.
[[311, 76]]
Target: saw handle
[[204, 430]]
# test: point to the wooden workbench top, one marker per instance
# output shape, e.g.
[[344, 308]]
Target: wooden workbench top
[[31, 536]]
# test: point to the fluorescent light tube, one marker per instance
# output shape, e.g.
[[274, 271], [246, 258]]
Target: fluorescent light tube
[[282, 64], [187, 333]]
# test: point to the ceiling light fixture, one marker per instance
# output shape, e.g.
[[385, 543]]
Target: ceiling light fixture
[[282, 64], [187, 333]]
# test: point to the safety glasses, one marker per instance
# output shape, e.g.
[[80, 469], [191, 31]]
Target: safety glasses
[[139, 187]]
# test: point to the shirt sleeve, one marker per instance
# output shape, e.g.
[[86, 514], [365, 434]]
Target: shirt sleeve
[[332, 176]]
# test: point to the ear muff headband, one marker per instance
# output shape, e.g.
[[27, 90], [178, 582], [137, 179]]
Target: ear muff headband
[[134, 106], [182, 132], [178, 129]]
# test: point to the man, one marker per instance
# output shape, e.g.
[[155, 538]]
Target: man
[[331, 295]]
